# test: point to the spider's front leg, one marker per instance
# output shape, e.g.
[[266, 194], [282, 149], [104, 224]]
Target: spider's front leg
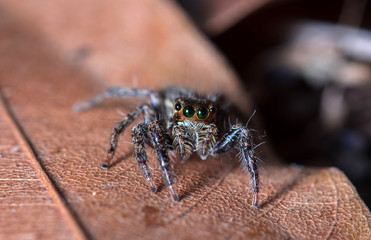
[[139, 136], [240, 137], [160, 143]]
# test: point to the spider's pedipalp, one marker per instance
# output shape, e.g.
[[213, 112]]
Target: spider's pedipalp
[[205, 140], [182, 142]]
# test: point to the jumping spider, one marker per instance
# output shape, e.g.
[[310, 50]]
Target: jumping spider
[[176, 119]]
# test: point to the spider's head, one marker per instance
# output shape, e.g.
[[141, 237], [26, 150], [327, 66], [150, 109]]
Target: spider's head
[[194, 110]]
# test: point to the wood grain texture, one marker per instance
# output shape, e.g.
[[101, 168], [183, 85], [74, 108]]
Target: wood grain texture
[[51, 58], [29, 208]]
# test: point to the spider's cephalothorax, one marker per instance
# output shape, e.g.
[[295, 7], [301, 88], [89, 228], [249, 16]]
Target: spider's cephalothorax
[[176, 119], [194, 126]]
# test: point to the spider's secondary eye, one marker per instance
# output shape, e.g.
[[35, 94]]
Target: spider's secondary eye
[[202, 113], [178, 106], [188, 111], [212, 110]]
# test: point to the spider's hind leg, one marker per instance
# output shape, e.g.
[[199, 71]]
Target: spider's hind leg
[[121, 92]]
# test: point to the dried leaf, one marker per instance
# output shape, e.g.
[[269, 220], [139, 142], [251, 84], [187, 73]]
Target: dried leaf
[[46, 68]]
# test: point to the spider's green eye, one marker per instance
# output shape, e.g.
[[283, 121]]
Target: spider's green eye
[[188, 111], [202, 113], [178, 106]]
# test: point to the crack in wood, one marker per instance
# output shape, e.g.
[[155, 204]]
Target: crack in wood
[[72, 219]]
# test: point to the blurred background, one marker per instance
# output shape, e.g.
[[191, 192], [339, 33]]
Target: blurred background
[[307, 65]]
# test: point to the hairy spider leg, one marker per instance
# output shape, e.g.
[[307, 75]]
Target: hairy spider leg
[[119, 128], [160, 145], [240, 137], [118, 92], [249, 161], [138, 137]]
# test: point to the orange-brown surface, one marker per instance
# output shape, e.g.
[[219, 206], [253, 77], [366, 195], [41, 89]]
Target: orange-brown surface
[[54, 54]]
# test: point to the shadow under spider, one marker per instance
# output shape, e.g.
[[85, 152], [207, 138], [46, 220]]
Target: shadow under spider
[[210, 177], [118, 160], [214, 175]]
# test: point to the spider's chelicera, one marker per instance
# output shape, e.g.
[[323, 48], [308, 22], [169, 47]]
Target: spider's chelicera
[[176, 119]]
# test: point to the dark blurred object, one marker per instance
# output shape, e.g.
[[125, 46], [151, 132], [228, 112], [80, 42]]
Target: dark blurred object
[[216, 16], [311, 82], [315, 94]]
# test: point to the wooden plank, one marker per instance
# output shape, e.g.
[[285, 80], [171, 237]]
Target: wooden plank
[[29, 210]]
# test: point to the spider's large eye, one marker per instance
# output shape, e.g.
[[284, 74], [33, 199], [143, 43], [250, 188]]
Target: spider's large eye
[[178, 106], [202, 113], [188, 111]]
